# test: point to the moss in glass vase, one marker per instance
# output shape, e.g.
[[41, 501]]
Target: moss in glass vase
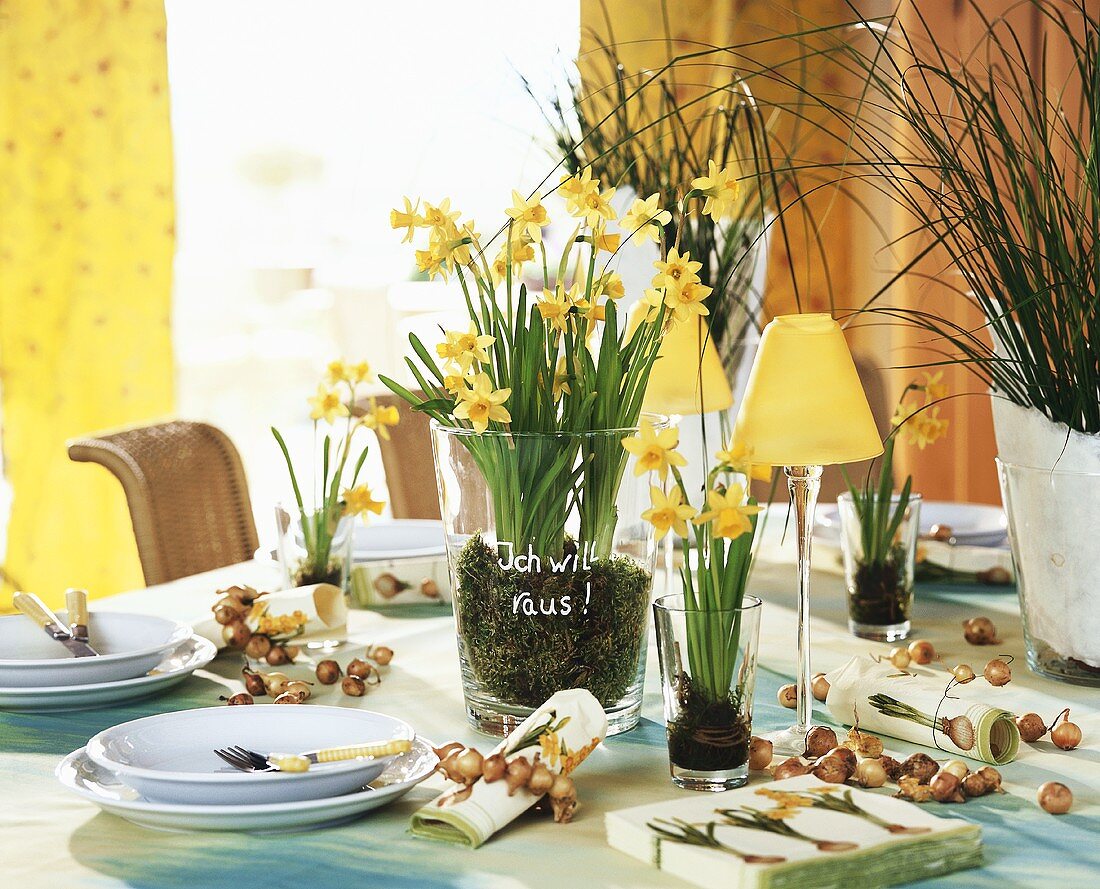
[[592, 639], [708, 734], [882, 592]]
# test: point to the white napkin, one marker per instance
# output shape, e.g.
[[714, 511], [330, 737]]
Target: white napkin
[[488, 807], [322, 603]]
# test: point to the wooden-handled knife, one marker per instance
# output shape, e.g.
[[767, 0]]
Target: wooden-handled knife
[[76, 607], [36, 610]]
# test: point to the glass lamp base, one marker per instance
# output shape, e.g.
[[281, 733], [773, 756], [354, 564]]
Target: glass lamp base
[[789, 741], [714, 781], [880, 632]]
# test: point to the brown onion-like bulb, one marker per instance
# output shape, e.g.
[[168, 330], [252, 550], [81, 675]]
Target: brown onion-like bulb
[[788, 696], [241, 697], [921, 651], [563, 798], [870, 773], [353, 686], [277, 656], [863, 743], [380, 654], [494, 767], [299, 688], [790, 768], [1055, 797], [236, 634], [976, 784], [258, 646], [920, 766], [892, 766], [832, 770], [997, 673], [1031, 727], [328, 672], [275, 682], [846, 756], [226, 614], [1066, 734], [541, 779], [979, 631], [517, 774], [468, 764], [288, 697], [820, 687], [958, 768], [899, 657], [819, 741], [359, 668], [963, 674], [760, 754], [945, 788], [992, 777], [254, 683]]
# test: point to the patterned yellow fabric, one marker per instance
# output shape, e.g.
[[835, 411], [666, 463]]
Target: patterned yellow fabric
[[86, 244]]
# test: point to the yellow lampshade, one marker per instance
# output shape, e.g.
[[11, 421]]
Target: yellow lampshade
[[804, 404], [687, 365]]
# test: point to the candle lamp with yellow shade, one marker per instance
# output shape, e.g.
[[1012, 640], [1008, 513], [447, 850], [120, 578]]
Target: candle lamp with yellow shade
[[804, 408]]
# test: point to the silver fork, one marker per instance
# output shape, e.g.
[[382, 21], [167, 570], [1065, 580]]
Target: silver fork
[[245, 760]]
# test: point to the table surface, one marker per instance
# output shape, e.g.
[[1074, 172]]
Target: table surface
[[50, 837]]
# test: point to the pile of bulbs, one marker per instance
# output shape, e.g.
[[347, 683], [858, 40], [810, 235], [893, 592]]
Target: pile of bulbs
[[466, 766], [361, 675]]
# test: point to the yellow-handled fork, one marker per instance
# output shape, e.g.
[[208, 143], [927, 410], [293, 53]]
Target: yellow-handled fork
[[251, 761]]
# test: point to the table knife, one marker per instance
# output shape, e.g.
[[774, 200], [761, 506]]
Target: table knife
[[36, 610], [76, 607]]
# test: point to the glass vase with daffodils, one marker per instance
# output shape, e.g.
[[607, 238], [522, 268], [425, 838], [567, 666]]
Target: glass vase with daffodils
[[707, 636], [529, 405], [315, 544], [880, 528]]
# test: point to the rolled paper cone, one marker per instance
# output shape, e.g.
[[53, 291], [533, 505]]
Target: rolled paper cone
[[323, 603], [469, 816], [915, 708]]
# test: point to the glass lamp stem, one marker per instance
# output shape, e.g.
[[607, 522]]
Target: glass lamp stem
[[803, 482]]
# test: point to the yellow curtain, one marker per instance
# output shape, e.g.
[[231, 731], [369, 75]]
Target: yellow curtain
[[86, 244]]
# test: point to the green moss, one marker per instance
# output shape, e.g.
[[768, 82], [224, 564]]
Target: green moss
[[523, 659]]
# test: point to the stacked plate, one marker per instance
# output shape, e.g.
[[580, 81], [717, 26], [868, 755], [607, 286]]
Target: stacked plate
[[139, 655], [971, 524], [162, 771]]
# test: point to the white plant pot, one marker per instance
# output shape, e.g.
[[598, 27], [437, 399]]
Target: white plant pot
[[1050, 483]]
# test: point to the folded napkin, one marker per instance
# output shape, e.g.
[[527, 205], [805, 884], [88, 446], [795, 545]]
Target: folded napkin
[[322, 603], [470, 819], [915, 708]]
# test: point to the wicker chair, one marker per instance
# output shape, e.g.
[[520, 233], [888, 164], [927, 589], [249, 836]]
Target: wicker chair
[[408, 461], [187, 494]]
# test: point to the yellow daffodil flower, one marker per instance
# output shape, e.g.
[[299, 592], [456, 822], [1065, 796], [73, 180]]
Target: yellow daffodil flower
[[654, 451], [530, 216], [729, 512], [655, 299], [644, 220], [609, 243], [327, 405], [686, 301], [722, 190], [555, 306], [594, 207], [934, 387], [924, 427], [592, 309], [433, 261], [668, 512], [739, 459], [458, 345], [379, 417], [359, 501], [611, 285], [455, 382], [440, 216], [519, 252], [358, 373], [561, 379], [407, 219], [337, 372], [574, 188], [675, 270], [479, 403]]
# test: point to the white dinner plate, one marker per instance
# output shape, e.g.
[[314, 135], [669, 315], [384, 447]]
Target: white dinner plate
[[82, 776], [399, 539], [170, 758], [129, 645], [973, 524], [193, 654]]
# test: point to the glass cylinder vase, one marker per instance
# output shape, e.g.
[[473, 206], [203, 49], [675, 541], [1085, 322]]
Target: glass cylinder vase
[[551, 568], [879, 575], [708, 672], [324, 558]]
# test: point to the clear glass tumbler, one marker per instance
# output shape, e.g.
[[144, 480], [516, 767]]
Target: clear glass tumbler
[[708, 673], [879, 574]]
